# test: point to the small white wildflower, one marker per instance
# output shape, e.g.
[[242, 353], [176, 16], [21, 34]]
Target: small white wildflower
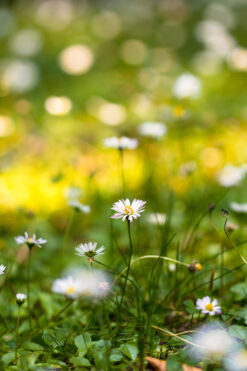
[[20, 298], [121, 143], [157, 218], [30, 241], [153, 129], [206, 306], [78, 206], [127, 210], [2, 269], [90, 250], [238, 208], [212, 342], [187, 86], [68, 286], [230, 175]]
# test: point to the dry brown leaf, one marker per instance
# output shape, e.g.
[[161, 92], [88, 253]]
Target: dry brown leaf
[[160, 365]]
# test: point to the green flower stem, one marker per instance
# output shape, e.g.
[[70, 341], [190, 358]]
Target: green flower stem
[[16, 333], [176, 335], [232, 243], [152, 257], [28, 285], [128, 267]]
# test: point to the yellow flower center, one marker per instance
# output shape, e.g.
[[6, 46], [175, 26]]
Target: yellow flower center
[[70, 290], [209, 307], [30, 239], [128, 210]]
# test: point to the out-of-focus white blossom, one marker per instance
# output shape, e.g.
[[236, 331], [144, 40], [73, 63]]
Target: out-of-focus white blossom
[[212, 342], [152, 129], [157, 218], [187, 86], [231, 175], [121, 143], [238, 207]]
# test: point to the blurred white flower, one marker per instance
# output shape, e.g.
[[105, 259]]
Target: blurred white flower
[[30, 241], [152, 129], [127, 210], [238, 208], [83, 283], [97, 284], [2, 269], [90, 250], [231, 175], [68, 286], [121, 143], [78, 206], [212, 342], [236, 361], [157, 218], [20, 298], [208, 306], [187, 86]]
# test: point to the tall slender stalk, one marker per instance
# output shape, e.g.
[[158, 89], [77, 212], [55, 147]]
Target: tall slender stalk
[[128, 267], [28, 285], [16, 333]]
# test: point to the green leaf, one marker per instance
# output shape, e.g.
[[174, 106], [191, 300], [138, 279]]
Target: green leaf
[[129, 350], [116, 356], [101, 353], [83, 342], [190, 306], [80, 361], [32, 346], [239, 332], [239, 290], [8, 357]]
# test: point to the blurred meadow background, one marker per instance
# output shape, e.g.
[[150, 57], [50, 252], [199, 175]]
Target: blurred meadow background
[[73, 73]]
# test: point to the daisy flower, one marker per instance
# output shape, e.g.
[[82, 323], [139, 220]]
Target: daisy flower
[[206, 306], [68, 286], [121, 143], [20, 298], [126, 210], [78, 206], [152, 129], [90, 250], [2, 269], [30, 241], [212, 342], [187, 86]]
